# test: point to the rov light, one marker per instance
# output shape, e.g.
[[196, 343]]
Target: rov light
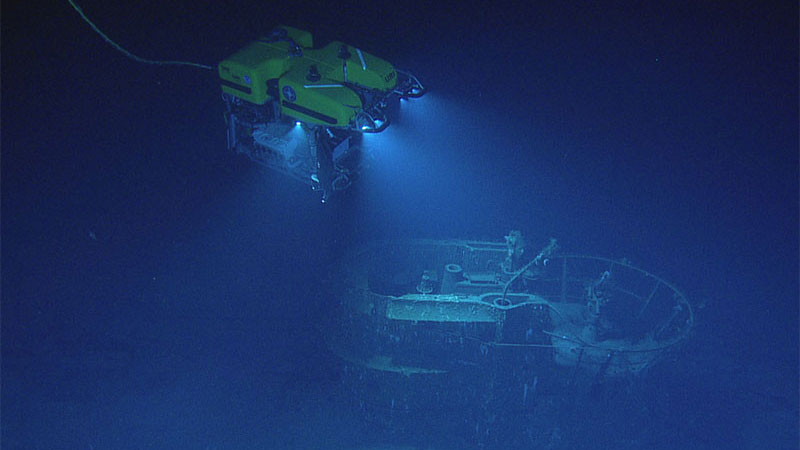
[[297, 124]]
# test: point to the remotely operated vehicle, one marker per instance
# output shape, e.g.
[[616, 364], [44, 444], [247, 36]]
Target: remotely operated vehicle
[[301, 110]]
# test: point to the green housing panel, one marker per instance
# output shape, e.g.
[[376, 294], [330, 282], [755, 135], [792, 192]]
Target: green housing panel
[[324, 102], [245, 74], [375, 73], [312, 86]]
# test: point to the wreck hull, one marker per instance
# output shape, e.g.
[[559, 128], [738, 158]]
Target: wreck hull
[[425, 307]]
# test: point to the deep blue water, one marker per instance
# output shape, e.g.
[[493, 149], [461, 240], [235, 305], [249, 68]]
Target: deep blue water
[[158, 292]]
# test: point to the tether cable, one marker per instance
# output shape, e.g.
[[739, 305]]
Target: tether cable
[[129, 54]]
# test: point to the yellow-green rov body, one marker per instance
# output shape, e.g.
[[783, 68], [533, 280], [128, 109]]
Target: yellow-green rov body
[[301, 110]]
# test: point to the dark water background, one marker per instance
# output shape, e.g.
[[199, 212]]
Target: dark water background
[[158, 292]]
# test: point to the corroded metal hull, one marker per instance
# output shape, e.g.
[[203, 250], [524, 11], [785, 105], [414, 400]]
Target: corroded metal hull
[[490, 342], [425, 307]]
